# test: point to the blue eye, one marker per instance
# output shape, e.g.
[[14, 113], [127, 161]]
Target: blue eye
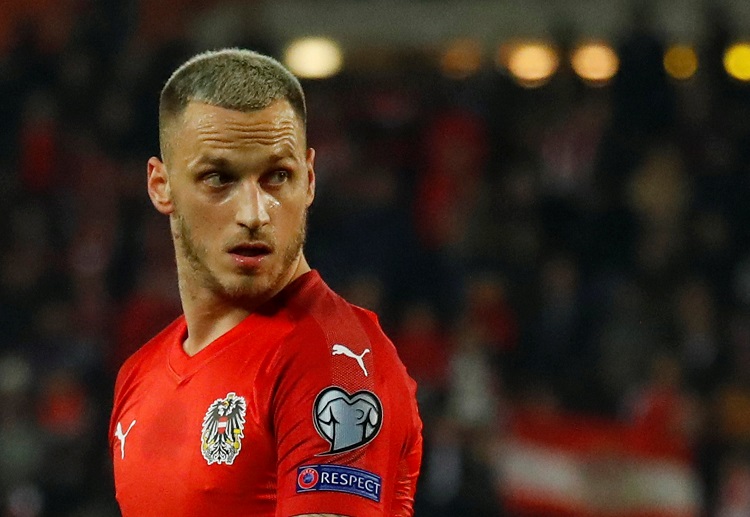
[[276, 178]]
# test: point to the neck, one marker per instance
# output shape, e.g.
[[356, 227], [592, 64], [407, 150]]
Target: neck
[[207, 321], [210, 314]]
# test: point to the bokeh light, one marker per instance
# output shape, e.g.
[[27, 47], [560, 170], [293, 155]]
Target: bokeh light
[[461, 58], [314, 58], [532, 64], [681, 61], [595, 62], [737, 61]]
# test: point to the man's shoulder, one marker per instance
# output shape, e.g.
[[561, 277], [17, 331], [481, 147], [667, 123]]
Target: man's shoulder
[[328, 329], [327, 308]]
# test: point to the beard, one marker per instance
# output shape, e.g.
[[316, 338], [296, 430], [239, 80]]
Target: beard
[[251, 288]]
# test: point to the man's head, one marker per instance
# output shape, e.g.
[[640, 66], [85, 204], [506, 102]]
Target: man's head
[[235, 79], [236, 177]]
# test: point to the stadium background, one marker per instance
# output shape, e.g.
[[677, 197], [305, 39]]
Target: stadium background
[[562, 262]]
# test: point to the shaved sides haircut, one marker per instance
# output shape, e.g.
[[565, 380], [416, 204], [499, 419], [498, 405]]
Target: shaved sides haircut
[[235, 79]]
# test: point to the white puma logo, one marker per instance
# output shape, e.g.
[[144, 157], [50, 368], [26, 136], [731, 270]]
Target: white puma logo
[[121, 436], [342, 349]]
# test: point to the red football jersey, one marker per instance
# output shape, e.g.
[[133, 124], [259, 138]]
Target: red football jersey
[[304, 407]]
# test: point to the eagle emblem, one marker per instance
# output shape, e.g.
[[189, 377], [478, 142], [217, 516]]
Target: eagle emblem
[[223, 425]]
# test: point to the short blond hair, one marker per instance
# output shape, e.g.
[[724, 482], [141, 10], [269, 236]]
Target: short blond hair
[[232, 78]]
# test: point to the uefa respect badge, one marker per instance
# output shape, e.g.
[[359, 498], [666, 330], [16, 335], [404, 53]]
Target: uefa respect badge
[[338, 478]]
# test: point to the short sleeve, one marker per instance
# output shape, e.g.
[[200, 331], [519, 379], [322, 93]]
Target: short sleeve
[[344, 422]]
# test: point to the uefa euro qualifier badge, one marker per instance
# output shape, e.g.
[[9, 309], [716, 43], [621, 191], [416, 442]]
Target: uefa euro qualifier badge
[[223, 425], [347, 421]]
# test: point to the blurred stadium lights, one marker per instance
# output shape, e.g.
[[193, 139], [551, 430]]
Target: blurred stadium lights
[[737, 61], [531, 63], [314, 58], [681, 61], [595, 62], [461, 58], [378, 32]]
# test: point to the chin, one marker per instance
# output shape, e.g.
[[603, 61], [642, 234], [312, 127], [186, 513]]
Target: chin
[[256, 288]]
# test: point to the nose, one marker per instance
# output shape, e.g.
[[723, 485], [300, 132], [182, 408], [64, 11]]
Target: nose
[[253, 206]]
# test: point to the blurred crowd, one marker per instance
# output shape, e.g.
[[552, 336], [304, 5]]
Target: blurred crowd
[[567, 249]]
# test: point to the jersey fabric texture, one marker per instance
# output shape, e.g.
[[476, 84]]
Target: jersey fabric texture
[[304, 407]]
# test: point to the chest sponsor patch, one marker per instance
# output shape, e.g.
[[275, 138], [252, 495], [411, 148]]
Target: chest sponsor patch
[[223, 429], [338, 478], [347, 421]]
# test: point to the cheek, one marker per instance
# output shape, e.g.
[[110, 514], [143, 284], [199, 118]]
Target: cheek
[[205, 223], [291, 216]]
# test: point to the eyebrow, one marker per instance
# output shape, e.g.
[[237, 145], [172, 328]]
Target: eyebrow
[[220, 162], [207, 162], [216, 161]]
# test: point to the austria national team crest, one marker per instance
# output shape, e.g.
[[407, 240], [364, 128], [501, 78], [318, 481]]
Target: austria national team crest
[[223, 427]]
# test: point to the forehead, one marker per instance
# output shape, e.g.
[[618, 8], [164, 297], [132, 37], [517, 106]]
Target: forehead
[[205, 127]]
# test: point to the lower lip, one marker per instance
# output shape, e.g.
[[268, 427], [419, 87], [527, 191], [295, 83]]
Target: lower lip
[[248, 262]]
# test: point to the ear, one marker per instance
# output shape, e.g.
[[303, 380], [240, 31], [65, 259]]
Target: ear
[[310, 160], [159, 189]]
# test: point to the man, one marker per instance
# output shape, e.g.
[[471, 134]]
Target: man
[[271, 395]]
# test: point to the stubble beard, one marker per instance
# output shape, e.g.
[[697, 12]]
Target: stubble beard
[[249, 288]]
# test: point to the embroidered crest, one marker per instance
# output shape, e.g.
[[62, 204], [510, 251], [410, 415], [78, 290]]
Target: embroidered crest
[[223, 425]]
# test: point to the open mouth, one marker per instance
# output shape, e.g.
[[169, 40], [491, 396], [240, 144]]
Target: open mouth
[[251, 250]]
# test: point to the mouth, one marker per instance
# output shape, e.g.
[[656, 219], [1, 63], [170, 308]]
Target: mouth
[[251, 250]]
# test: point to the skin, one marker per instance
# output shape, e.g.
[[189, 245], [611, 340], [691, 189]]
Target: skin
[[233, 183]]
